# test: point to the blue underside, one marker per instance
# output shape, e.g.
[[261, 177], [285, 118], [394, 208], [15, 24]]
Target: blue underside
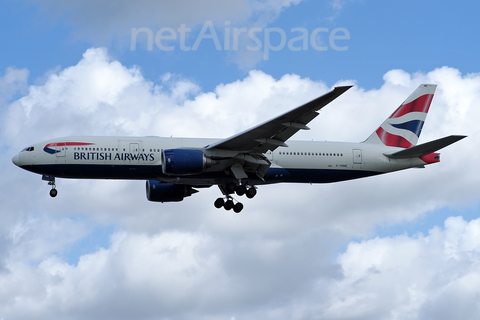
[[132, 172]]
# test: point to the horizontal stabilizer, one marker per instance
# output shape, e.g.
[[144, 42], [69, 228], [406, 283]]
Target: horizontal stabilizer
[[425, 148]]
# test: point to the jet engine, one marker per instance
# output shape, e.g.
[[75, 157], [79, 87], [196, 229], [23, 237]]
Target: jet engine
[[167, 192], [184, 162]]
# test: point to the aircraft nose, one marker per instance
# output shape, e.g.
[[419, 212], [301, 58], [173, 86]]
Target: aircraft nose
[[16, 160]]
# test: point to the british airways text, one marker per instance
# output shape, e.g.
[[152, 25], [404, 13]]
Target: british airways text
[[113, 156]]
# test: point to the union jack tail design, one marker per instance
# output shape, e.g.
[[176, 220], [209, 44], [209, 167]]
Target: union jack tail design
[[402, 129]]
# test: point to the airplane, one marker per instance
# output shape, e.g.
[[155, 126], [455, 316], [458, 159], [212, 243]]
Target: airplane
[[174, 168]]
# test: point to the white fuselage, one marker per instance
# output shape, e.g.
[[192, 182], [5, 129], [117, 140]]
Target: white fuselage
[[140, 158]]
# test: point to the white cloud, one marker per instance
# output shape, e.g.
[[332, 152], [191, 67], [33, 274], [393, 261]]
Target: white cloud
[[420, 277], [338, 4], [14, 81], [189, 260]]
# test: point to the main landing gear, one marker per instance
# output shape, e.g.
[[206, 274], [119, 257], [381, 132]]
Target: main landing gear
[[51, 182], [228, 202]]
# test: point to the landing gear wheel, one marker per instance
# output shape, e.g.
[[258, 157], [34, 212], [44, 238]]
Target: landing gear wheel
[[228, 204], [238, 207], [219, 203], [53, 193], [241, 190], [251, 192], [231, 187]]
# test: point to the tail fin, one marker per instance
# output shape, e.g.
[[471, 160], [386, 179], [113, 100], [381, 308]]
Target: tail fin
[[402, 129]]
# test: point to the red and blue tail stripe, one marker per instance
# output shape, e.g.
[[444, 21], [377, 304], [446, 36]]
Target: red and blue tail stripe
[[403, 128], [393, 140]]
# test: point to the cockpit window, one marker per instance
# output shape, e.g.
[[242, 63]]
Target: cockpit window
[[28, 149]]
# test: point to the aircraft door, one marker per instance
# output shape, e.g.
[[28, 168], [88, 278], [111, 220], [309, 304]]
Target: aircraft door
[[357, 156], [60, 149], [269, 155], [134, 148]]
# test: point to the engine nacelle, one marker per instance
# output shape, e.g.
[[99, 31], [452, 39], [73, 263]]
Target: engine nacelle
[[184, 162], [167, 192]]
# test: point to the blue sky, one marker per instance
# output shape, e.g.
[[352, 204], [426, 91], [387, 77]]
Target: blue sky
[[398, 246], [410, 35]]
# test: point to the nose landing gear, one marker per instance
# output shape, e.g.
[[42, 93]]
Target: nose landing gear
[[53, 191], [51, 182]]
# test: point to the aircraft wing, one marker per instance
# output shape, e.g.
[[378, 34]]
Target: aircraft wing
[[275, 132]]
